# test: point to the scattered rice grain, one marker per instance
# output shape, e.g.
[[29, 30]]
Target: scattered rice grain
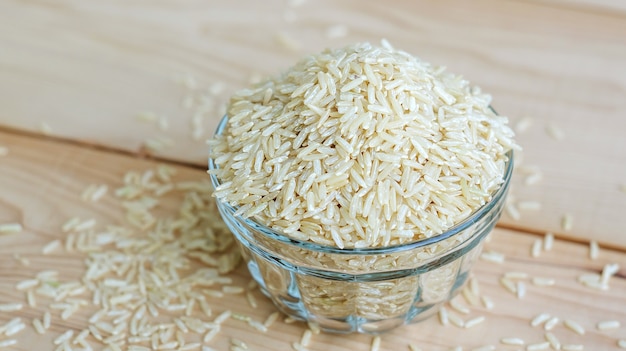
[[27, 284], [8, 342], [11, 307], [484, 348], [548, 241], [538, 346], [46, 319], [555, 343], [487, 302], [271, 319], [574, 326], [555, 132], [513, 212], [64, 337], [375, 346], [529, 205], [509, 285], [523, 124], [516, 275], [539, 281], [443, 316], [512, 341], [45, 128], [474, 321], [535, 250], [51, 246], [551, 323], [606, 325], [492, 256], [305, 340], [38, 326], [457, 306], [539, 319], [594, 249], [9, 228], [336, 31], [238, 343], [567, 222]]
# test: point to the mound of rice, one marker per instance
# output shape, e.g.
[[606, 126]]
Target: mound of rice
[[363, 146]]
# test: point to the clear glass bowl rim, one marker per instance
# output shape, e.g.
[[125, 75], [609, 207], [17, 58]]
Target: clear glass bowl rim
[[456, 229]]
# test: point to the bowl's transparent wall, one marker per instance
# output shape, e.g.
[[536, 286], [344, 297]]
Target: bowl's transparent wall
[[355, 290]]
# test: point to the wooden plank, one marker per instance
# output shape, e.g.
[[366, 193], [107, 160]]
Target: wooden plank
[[41, 186], [86, 69]]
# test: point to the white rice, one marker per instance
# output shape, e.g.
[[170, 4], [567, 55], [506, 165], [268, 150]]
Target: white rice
[[484, 348], [512, 341], [336, 31], [535, 250], [443, 316], [327, 99], [487, 302], [606, 325], [540, 281], [567, 222], [548, 241], [555, 132], [551, 323], [375, 346], [553, 340], [539, 319], [574, 326], [474, 321], [9, 228], [594, 249], [538, 346], [11, 307]]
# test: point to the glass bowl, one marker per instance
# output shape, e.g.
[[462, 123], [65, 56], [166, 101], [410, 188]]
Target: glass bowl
[[365, 290]]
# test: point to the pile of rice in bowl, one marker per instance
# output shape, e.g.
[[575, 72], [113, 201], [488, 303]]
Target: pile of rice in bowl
[[360, 147]]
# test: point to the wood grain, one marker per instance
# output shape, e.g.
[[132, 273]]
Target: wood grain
[[87, 68], [41, 185]]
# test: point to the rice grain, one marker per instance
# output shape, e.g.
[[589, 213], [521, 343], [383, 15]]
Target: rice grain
[[484, 348], [11, 307], [443, 316], [553, 340], [567, 222], [594, 249], [51, 246], [548, 241], [375, 345], [538, 346], [474, 321], [551, 323], [10, 228], [539, 319], [540, 281], [512, 341], [573, 347], [7, 343], [606, 325], [574, 326]]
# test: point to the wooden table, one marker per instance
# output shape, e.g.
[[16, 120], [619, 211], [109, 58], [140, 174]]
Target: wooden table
[[92, 89]]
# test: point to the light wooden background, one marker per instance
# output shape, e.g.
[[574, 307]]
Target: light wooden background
[[75, 75]]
